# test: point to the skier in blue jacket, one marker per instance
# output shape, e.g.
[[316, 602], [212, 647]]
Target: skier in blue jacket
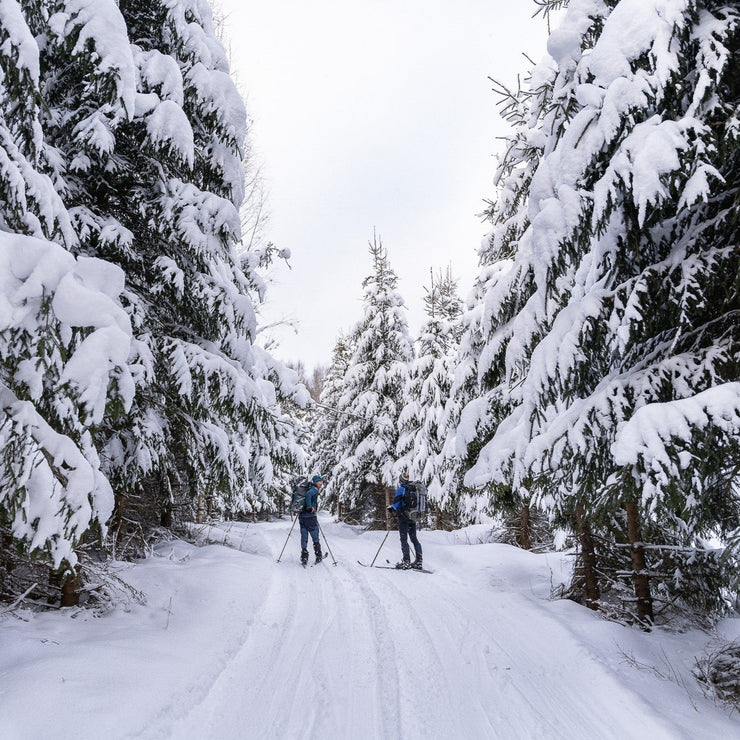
[[308, 521], [406, 526]]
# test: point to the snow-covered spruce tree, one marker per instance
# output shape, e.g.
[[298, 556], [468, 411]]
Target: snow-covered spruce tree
[[485, 388], [633, 224], [29, 203], [373, 396], [146, 128], [327, 421], [206, 431], [131, 153], [64, 335], [282, 450], [64, 342], [457, 504], [430, 379], [278, 447]]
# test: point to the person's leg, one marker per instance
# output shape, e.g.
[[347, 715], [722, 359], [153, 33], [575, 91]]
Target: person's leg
[[313, 528], [314, 531], [304, 532], [415, 541], [304, 540], [403, 531]]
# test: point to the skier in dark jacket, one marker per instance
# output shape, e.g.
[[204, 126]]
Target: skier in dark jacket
[[406, 526], [308, 521]]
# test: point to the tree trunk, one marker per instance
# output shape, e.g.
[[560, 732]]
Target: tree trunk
[[70, 588], [588, 556], [524, 535], [200, 516], [165, 518], [639, 566]]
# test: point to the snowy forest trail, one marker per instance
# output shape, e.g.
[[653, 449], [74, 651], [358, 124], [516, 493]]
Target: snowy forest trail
[[233, 645], [344, 651]]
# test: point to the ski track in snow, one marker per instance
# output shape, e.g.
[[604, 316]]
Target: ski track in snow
[[234, 646], [299, 675], [347, 651]]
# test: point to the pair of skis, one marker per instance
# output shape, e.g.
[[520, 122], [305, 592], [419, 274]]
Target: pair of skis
[[393, 567], [323, 557], [365, 565]]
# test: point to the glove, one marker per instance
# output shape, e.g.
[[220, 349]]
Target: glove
[[311, 510], [389, 508]]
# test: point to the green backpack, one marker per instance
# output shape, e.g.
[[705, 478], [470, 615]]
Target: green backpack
[[415, 499], [298, 497]]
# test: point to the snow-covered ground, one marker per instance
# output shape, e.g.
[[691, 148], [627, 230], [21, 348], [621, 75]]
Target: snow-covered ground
[[231, 644]]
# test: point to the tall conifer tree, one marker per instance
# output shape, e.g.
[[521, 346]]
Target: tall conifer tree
[[163, 203], [484, 388], [64, 335], [633, 231], [121, 139], [329, 420], [373, 392], [422, 431]]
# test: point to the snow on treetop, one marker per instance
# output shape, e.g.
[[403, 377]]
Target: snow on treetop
[[19, 36], [160, 73], [633, 28], [101, 22]]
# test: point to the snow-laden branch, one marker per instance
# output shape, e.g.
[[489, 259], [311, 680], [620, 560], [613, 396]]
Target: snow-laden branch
[[647, 434]]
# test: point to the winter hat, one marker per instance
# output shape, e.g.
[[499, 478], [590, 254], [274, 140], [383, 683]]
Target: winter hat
[[317, 479], [403, 478]]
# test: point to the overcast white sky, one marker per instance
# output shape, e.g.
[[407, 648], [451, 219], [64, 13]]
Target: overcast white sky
[[373, 114]]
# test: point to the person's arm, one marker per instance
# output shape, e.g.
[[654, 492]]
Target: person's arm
[[312, 497], [398, 499]]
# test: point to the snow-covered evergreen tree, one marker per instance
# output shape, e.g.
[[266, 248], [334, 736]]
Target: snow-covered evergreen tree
[[64, 342], [64, 335], [484, 388], [430, 378], [158, 192], [632, 241], [373, 393], [120, 140], [328, 421]]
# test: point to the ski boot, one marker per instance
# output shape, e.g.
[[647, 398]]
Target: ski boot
[[405, 564], [304, 557], [417, 564], [317, 551]]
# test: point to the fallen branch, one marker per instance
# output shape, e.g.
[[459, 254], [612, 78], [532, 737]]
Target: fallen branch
[[19, 599]]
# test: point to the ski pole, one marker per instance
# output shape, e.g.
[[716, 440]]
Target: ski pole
[[387, 532], [288, 537], [327, 541]]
